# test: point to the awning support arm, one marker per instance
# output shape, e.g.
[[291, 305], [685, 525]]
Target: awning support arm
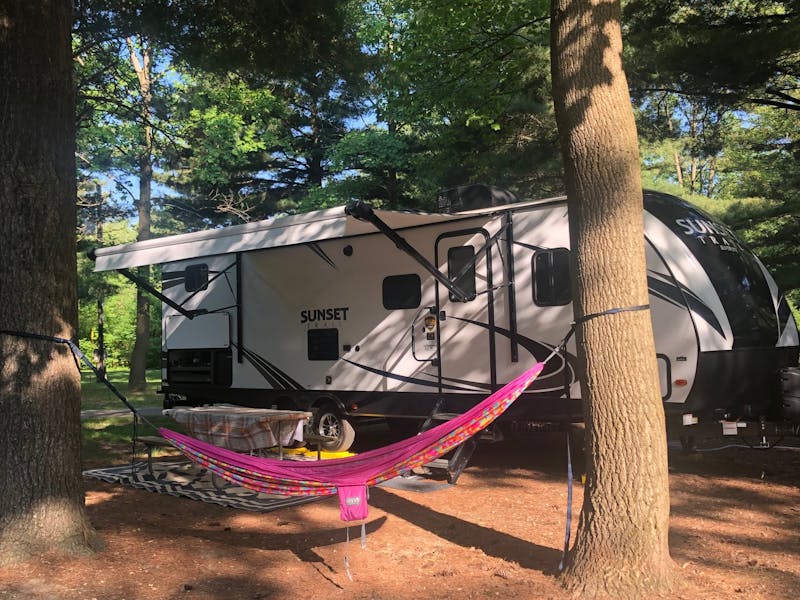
[[363, 212], [145, 285]]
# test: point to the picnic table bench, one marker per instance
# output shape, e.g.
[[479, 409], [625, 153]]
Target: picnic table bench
[[150, 442]]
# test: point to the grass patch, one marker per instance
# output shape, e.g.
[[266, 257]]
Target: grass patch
[[107, 441], [96, 396]]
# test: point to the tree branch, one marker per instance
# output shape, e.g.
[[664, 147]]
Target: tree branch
[[791, 103]]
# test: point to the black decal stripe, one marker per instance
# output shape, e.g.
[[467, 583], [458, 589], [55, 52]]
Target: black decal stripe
[[784, 312], [314, 247], [276, 378], [681, 296], [286, 381], [667, 300], [552, 378], [167, 275], [404, 378], [480, 386], [528, 246], [264, 372], [665, 291], [171, 279]]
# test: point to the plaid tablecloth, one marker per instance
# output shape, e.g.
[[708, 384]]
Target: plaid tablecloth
[[241, 428]]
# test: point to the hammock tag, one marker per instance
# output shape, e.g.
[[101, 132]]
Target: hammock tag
[[353, 502]]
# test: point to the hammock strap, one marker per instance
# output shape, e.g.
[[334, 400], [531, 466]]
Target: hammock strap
[[563, 345], [76, 355], [610, 311], [347, 547], [569, 506], [347, 555]]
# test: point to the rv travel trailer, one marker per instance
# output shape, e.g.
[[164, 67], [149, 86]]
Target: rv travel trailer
[[355, 313]]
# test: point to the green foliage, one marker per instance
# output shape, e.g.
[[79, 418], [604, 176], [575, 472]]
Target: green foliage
[[111, 134], [259, 36], [119, 329], [119, 305], [224, 132], [771, 231], [262, 108], [319, 110], [375, 164], [691, 143], [470, 81], [460, 91], [717, 86], [766, 153], [732, 51], [474, 62], [371, 149]]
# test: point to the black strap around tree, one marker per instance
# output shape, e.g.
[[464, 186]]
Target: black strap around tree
[[610, 311], [563, 347], [76, 355]]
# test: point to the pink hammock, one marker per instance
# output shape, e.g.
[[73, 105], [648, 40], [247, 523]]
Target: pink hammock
[[350, 476]]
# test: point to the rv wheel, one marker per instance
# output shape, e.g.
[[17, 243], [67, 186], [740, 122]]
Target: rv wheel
[[331, 423]]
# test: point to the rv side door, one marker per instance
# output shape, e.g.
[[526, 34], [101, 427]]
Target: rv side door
[[465, 327]]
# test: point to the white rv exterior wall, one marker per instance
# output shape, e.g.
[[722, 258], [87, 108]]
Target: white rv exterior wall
[[278, 284]]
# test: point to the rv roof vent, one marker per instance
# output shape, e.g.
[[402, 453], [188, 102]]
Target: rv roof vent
[[471, 197]]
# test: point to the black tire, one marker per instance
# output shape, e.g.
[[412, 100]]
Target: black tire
[[330, 422]]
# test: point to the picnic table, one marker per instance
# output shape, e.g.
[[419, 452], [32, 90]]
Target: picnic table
[[242, 428]]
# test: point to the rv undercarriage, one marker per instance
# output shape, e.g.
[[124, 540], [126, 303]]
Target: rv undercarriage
[[759, 435]]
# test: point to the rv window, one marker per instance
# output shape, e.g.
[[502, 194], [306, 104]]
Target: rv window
[[196, 277], [461, 259], [402, 291], [551, 285], [323, 344]]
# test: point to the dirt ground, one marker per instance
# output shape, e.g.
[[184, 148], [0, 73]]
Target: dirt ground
[[497, 533]]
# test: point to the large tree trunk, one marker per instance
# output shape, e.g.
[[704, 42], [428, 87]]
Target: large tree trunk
[[42, 502], [100, 350], [392, 182], [316, 152], [676, 157], [137, 377], [621, 548]]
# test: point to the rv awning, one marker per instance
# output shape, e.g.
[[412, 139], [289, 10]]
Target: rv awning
[[315, 226]]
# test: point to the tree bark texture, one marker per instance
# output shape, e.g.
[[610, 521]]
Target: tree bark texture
[[42, 502], [621, 548], [100, 350], [137, 377]]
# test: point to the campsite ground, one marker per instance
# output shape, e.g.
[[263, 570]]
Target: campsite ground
[[497, 533]]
